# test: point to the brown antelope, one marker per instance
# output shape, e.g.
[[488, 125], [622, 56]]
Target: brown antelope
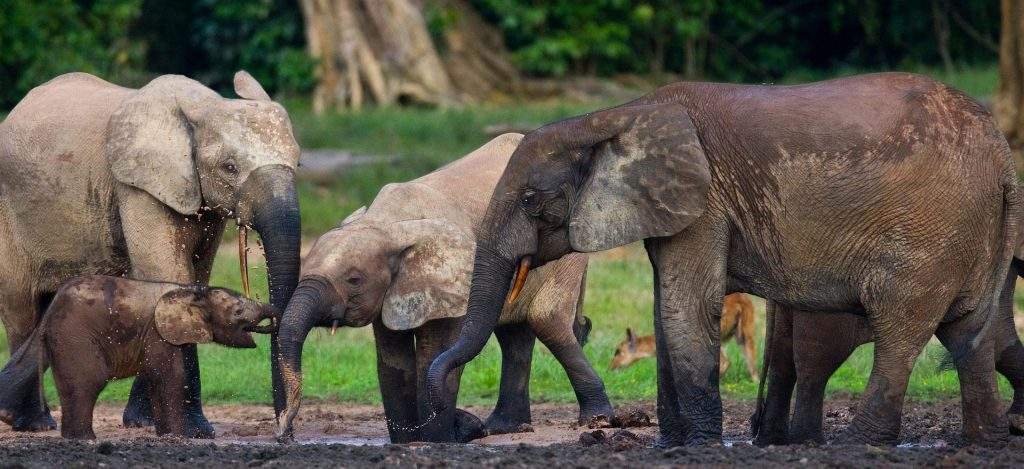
[[737, 320]]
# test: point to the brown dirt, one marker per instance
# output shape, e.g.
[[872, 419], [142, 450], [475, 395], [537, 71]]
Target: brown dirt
[[355, 436]]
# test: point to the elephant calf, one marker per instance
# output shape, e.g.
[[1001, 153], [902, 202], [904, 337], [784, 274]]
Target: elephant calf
[[404, 265], [101, 328]]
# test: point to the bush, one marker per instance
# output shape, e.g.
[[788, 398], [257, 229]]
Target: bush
[[40, 39]]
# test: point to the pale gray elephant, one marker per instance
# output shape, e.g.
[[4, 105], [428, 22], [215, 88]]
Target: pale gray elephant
[[404, 265], [100, 179]]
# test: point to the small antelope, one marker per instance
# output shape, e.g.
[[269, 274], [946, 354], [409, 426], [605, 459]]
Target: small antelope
[[737, 320]]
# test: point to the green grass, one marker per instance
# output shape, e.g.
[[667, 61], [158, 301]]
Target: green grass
[[342, 367]]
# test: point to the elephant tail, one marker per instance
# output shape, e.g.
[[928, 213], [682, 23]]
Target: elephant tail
[[769, 329], [1012, 207], [26, 364]]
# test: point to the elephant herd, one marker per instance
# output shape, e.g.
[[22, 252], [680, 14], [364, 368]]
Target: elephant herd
[[880, 208]]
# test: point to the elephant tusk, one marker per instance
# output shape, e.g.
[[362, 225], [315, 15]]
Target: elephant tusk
[[334, 327], [520, 279], [243, 259]]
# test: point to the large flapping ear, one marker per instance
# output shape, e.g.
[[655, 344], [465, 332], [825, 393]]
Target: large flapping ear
[[247, 87], [648, 177], [181, 318], [150, 143], [433, 272]]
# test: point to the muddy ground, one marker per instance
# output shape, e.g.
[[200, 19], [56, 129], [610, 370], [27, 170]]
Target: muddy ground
[[355, 436]]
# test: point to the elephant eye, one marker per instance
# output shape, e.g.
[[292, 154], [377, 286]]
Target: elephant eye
[[230, 168], [354, 280], [529, 199]]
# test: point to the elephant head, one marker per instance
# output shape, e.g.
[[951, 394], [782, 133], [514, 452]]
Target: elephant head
[[403, 272], [585, 184], [197, 152], [197, 315]]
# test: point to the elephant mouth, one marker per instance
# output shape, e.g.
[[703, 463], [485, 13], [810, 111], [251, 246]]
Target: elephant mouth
[[260, 328]]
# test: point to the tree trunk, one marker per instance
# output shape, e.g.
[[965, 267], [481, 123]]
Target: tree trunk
[[940, 23], [474, 53], [380, 52], [375, 51], [1009, 100]]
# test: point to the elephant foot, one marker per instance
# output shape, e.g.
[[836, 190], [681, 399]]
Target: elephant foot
[[39, 422], [137, 415], [853, 435], [196, 426], [597, 416], [805, 438], [500, 425], [672, 441], [468, 427], [1016, 422]]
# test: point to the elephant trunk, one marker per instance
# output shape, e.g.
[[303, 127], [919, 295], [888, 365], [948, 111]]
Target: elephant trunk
[[492, 275], [275, 216], [303, 313]]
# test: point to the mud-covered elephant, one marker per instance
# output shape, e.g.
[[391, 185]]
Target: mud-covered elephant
[[807, 348], [403, 265], [889, 195], [100, 179], [100, 328]]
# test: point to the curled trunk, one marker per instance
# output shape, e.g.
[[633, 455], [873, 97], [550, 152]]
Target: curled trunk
[[276, 219], [492, 275], [299, 318]]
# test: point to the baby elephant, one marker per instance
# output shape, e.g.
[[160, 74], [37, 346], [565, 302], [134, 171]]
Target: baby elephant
[[737, 321], [102, 328]]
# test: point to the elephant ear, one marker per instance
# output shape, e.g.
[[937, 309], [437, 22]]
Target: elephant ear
[[432, 274], [150, 147], [247, 87], [648, 177], [181, 318]]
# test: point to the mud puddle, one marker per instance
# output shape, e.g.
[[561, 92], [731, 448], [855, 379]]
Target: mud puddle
[[355, 436]]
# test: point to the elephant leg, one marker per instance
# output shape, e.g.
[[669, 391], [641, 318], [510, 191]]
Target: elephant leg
[[983, 420], [21, 311], [772, 422], [689, 285], [1010, 364], [139, 411], [1010, 352], [589, 388], [450, 425], [821, 343], [153, 248], [396, 373], [897, 346], [512, 413], [79, 379]]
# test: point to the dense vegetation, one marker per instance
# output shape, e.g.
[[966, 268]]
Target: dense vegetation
[[753, 40]]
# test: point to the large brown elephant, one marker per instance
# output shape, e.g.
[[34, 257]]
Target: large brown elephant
[[403, 265], [890, 195], [100, 179]]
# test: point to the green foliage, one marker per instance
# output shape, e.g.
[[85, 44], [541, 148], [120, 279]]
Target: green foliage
[[736, 40], [40, 39], [212, 39]]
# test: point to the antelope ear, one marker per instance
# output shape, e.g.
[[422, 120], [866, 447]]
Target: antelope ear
[[353, 216], [150, 144], [630, 338], [648, 177], [180, 317], [433, 272], [247, 87]]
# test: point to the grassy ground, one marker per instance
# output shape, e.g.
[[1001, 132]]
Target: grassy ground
[[341, 368]]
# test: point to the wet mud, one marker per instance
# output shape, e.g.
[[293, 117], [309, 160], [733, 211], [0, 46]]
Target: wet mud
[[332, 435]]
